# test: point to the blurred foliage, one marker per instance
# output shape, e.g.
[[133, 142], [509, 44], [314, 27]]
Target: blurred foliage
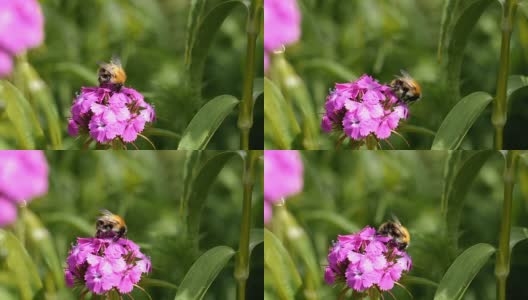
[[344, 39], [345, 191], [149, 190], [150, 36]]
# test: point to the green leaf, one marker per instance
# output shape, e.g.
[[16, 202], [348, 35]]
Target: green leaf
[[414, 280], [196, 11], [19, 113], [416, 129], [460, 274], [332, 68], [205, 123], [40, 94], [147, 282], [300, 246], [258, 88], [465, 15], [151, 131], [447, 14], [205, 34], [458, 188], [279, 125], [200, 188], [20, 265], [72, 221], [515, 83], [203, 272], [40, 239], [518, 234], [459, 120], [331, 218], [280, 267], [256, 237]]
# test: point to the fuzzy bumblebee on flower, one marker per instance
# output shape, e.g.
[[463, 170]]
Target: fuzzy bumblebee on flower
[[110, 114], [370, 262]]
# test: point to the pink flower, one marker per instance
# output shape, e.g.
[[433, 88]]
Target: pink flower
[[103, 264], [366, 260], [283, 176], [363, 108], [282, 25], [23, 176], [21, 28], [107, 113]]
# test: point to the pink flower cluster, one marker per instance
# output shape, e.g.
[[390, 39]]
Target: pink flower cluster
[[21, 27], [363, 107], [106, 114], [282, 25], [366, 260], [283, 177], [102, 265], [23, 175]]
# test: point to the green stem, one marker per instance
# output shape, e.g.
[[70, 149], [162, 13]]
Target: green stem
[[502, 265], [245, 115], [242, 260], [500, 110]]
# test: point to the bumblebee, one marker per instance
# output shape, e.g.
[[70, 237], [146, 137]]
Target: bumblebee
[[406, 88], [112, 73], [109, 225], [399, 234]]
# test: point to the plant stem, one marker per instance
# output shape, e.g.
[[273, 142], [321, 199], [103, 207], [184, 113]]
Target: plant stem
[[242, 259], [500, 110], [502, 265], [245, 115]]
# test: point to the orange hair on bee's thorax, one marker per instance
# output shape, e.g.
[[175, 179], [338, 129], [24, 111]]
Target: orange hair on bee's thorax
[[119, 74]]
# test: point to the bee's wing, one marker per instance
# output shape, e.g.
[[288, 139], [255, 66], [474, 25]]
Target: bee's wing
[[405, 74], [395, 219], [116, 60], [106, 212]]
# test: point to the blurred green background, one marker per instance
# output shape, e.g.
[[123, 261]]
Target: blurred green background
[[147, 189], [345, 191], [342, 39], [150, 38]]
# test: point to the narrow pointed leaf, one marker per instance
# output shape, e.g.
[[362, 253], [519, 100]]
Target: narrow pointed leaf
[[518, 234], [460, 274], [280, 127], [515, 83], [196, 11], [203, 272], [205, 34], [20, 265], [256, 237], [459, 120], [280, 267], [205, 123], [19, 113]]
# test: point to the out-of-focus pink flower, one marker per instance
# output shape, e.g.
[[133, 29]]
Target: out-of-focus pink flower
[[363, 108], [283, 177], [23, 176], [366, 260], [282, 25], [107, 113], [21, 28], [102, 264]]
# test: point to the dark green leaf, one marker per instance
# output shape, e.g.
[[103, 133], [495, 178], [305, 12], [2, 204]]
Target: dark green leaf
[[80, 71], [256, 238], [465, 15], [146, 282], [280, 126], [447, 15], [203, 272], [460, 274], [19, 113], [205, 123], [201, 185], [414, 280], [459, 120], [459, 187], [515, 83], [151, 131], [258, 88], [518, 234], [205, 34], [332, 68], [196, 11], [280, 267]]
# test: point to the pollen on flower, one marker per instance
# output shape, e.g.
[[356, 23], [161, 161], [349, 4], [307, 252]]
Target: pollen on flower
[[363, 108], [366, 260], [100, 265]]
